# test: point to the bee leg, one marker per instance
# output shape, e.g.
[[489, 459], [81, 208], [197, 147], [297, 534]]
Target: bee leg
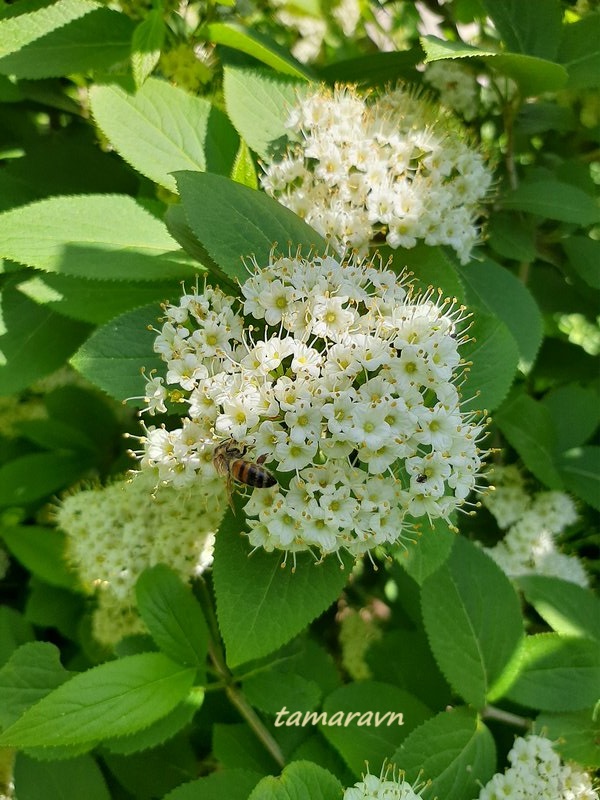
[[230, 493], [261, 459]]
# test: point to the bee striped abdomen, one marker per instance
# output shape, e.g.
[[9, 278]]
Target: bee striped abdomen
[[251, 474]]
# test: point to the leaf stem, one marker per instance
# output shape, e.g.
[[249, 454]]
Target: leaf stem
[[491, 712], [510, 112], [234, 693]]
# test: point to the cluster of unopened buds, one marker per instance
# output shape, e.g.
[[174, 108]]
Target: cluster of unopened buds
[[334, 379]]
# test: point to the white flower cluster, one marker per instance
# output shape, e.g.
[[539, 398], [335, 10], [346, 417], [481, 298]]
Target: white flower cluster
[[373, 788], [457, 86], [394, 167], [341, 380], [536, 773], [114, 533], [533, 522]]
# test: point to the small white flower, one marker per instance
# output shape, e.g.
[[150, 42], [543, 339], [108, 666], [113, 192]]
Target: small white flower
[[155, 395], [368, 426], [186, 371], [329, 318], [295, 455]]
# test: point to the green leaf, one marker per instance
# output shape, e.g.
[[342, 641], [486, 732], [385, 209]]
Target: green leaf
[[367, 720], [376, 69], [84, 300], [71, 163], [160, 731], [9, 90], [33, 671], [237, 746], [35, 476], [96, 40], [248, 589], [432, 548], [14, 631], [542, 117], [431, 266], [173, 616], [162, 129], [454, 751], [315, 748], [272, 689], [575, 411], [568, 608], [254, 44], [147, 42], [312, 662], [557, 673], [580, 52], [153, 774], [113, 699], [527, 426], [231, 784], [576, 735], [580, 470], [473, 621], [101, 237], [52, 434], [584, 256], [34, 341], [533, 75], [21, 29], [243, 170], [114, 355], [495, 356], [41, 551], [392, 660], [258, 103], [532, 27], [499, 292], [511, 237], [300, 780], [554, 200], [89, 413], [239, 222], [63, 780], [52, 607]]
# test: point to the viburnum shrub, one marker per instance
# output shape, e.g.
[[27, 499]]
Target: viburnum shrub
[[298, 400]]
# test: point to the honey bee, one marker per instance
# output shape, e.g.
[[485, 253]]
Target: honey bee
[[229, 462]]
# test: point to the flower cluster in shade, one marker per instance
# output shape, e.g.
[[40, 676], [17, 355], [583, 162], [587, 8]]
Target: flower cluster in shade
[[537, 772], [532, 524], [456, 85], [342, 379], [358, 631], [385, 787], [311, 24], [115, 533], [393, 168]]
